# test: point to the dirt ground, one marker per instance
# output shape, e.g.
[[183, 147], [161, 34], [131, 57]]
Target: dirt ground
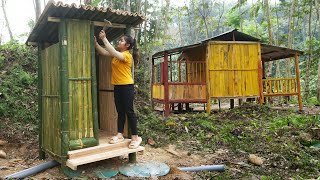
[[22, 153], [23, 156]]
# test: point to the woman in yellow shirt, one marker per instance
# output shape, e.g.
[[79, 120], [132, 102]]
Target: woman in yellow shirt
[[123, 84]]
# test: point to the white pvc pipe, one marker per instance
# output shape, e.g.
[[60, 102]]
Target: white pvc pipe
[[203, 168]]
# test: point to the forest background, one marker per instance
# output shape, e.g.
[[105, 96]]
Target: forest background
[[289, 23]]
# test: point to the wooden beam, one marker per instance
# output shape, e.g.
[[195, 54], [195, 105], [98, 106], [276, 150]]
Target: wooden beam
[[94, 157], [95, 23], [260, 76], [208, 80], [41, 152], [298, 81], [152, 81], [32, 43], [166, 86]]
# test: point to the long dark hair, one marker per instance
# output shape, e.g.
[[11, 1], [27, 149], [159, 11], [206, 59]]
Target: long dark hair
[[133, 45]]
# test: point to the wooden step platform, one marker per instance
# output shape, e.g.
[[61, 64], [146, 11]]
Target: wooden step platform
[[97, 153]]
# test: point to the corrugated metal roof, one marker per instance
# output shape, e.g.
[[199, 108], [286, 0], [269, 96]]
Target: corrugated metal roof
[[233, 35], [268, 52], [45, 31]]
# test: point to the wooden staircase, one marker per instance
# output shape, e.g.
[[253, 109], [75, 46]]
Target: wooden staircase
[[97, 153]]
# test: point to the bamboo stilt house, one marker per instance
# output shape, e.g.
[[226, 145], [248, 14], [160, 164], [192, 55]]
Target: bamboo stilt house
[[230, 65], [75, 95]]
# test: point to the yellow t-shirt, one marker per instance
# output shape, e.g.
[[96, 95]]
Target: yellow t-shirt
[[121, 70]]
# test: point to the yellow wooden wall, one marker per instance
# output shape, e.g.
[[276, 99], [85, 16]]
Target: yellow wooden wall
[[51, 126], [187, 92], [233, 69], [158, 91], [79, 72]]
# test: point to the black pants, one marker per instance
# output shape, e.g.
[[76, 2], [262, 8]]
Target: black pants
[[123, 98]]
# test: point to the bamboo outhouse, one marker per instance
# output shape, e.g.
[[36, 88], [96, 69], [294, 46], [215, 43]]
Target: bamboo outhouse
[[230, 65], [76, 107]]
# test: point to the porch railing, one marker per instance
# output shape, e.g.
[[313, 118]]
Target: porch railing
[[279, 86], [185, 72]]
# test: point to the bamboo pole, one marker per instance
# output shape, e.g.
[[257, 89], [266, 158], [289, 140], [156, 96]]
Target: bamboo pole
[[132, 156], [64, 89], [166, 86], [152, 82], [80, 59], [41, 152], [298, 81], [94, 86], [86, 87]]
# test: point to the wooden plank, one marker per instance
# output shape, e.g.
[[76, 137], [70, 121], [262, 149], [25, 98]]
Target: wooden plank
[[74, 163], [281, 94], [95, 23], [102, 147], [108, 113], [105, 73]]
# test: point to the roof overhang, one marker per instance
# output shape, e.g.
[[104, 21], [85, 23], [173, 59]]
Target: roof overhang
[[46, 28], [271, 53]]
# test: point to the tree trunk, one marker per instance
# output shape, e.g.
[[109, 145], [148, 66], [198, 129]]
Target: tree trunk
[[180, 30], [220, 16], [318, 87], [267, 13], [127, 6], [307, 77], [165, 24], [317, 5], [110, 4], [277, 41], [255, 19], [239, 9], [89, 2], [6, 19], [145, 28], [191, 34], [206, 26], [37, 9], [290, 37]]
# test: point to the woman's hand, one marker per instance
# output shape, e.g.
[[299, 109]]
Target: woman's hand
[[102, 34]]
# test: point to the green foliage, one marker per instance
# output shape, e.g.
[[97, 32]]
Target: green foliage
[[295, 121], [312, 101], [233, 19], [18, 83], [250, 129]]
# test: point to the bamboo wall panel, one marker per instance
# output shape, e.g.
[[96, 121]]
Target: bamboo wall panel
[[51, 100], [79, 71], [158, 91], [185, 92], [233, 69]]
